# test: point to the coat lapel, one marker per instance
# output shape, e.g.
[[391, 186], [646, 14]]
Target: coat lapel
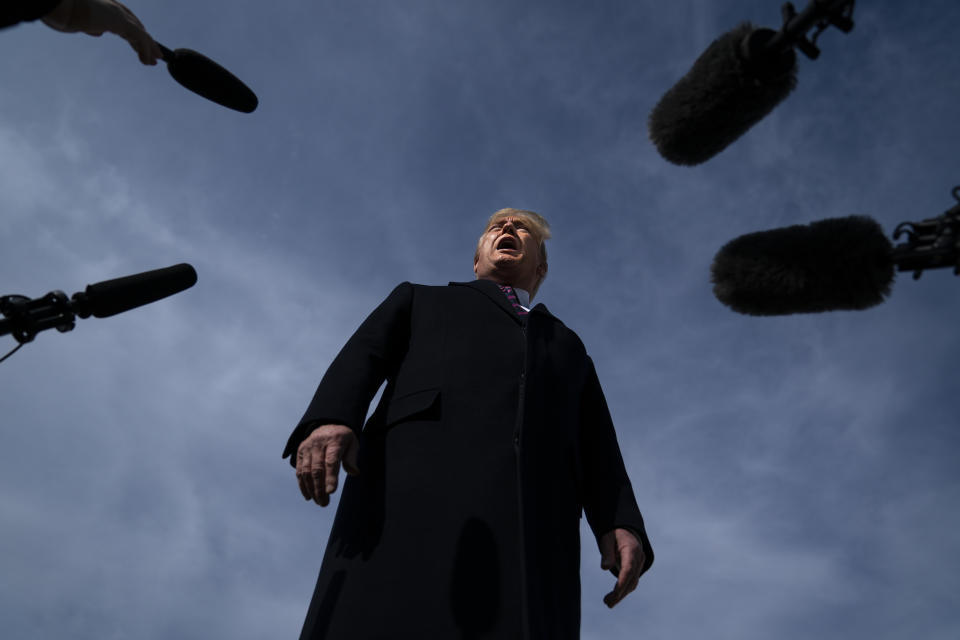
[[490, 289]]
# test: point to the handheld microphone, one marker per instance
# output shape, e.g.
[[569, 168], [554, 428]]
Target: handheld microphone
[[205, 77], [24, 318], [741, 77], [830, 265]]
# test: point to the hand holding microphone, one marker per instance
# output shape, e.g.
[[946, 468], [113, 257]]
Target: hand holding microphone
[[94, 17], [191, 69]]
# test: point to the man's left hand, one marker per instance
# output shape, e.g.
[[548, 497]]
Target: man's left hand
[[621, 551]]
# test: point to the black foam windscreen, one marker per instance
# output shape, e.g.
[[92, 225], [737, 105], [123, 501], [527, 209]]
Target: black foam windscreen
[[829, 265], [729, 88], [111, 297]]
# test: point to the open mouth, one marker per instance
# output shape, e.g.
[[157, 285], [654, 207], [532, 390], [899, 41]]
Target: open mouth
[[507, 243]]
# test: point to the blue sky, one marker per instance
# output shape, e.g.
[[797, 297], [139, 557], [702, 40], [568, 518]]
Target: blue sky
[[798, 474]]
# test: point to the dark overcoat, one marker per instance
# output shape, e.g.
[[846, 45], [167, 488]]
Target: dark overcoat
[[491, 438]]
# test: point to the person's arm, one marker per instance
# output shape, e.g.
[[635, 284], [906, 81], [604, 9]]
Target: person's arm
[[94, 17], [14, 11], [327, 432], [609, 503]]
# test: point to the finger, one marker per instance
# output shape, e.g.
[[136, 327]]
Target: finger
[[141, 54], [155, 53], [303, 470], [332, 466], [629, 558], [134, 33], [639, 562], [304, 487], [147, 50], [620, 589], [137, 44], [143, 44], [626, 579], [317, 478]]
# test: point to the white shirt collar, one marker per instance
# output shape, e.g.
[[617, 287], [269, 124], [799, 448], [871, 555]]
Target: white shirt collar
[[523, 297]]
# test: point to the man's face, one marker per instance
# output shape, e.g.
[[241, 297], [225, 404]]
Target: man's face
[[508, 250]]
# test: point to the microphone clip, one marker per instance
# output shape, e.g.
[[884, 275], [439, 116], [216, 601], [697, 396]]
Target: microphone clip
[[25, 318], [819, 14], [931, 244]]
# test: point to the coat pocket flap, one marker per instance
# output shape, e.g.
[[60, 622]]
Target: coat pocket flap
[[405, 406]]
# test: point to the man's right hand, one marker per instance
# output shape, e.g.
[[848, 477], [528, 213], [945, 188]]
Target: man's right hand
[[94, 17], [319, 457]]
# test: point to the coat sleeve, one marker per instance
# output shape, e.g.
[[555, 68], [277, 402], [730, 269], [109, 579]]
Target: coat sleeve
[[371, 355], [14, 11], [608, 499]]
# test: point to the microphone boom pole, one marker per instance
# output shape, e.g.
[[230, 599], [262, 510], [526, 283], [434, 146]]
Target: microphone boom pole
[[24, 318], [931, 244], [821, 13]]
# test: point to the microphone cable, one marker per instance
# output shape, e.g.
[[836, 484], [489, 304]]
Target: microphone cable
[[12, 351]]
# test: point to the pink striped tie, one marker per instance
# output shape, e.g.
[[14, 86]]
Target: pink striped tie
[[512, 297]]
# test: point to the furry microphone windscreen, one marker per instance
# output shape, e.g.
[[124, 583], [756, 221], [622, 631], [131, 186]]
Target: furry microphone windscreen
[[829, 265], [725, 93], [203, 76]]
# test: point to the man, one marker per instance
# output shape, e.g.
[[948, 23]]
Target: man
[[93, 17], [460, 516]]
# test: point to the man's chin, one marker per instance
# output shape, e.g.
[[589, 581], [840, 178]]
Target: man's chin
[[507, 260]]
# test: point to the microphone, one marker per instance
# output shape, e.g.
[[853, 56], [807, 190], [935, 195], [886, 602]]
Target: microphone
[[741, 77], [24, 318], [830, 265], [110, 297], [205, 77]]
